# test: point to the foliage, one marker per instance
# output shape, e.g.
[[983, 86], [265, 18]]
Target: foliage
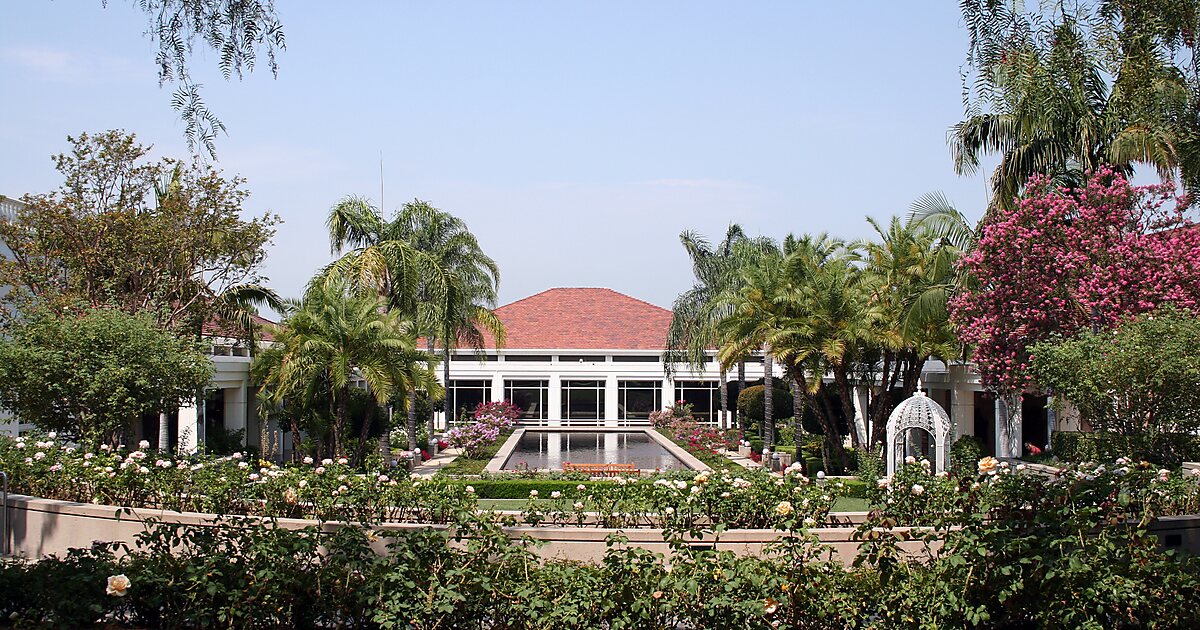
[[491, 421], [1063, 260], [92, 375], [332, 337], [965, 452], [1072, 552], [1059, 90], [165, 237], [331, 490], [452, 293], [1163, 448], [236, 30], [750, 403], [1143, 377]]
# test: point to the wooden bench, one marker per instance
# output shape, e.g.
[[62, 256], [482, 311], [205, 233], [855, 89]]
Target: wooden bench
[[603, 470]]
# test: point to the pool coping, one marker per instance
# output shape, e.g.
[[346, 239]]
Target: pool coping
[[496, 465]]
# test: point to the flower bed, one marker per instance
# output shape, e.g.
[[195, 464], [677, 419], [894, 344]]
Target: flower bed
[[331, 490]]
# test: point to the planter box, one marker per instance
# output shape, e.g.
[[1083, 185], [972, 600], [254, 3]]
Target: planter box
[[744, 451], [785, 459]]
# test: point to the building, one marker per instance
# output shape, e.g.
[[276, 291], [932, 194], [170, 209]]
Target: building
[[228, 398], [593, 356]]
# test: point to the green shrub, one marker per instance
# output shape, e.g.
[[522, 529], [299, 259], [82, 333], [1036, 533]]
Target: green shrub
[[750, 403], [1163, 449], [965, 454]]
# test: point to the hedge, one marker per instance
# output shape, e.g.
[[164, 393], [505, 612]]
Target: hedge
[[1169, 449]]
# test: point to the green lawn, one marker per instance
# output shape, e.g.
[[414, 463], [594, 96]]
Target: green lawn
[[463, 465], [843, 504]]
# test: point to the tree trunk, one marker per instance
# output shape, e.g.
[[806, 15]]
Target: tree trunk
[[447, 404], [833, 451], [339, 423], [741, 419], [797, 414], [295, 422], [164, 433], [768, 399], [1008, 421], [410, 410], [721, 423], [365, 432], [385, 441], [846, 394]]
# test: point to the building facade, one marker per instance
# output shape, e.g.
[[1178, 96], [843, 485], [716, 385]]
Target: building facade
[[593, 357]]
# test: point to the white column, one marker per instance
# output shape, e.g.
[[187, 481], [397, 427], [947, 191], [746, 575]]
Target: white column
[[235, 409], [554, 401], [668, 392], [611, 401], [1008, 428], [962, 402], [188, 429], [497, 387], [859, 395]]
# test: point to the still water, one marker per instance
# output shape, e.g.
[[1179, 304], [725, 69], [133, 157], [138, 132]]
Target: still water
[[550, 449]]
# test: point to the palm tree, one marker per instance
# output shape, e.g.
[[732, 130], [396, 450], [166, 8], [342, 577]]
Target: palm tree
[[452, 305], [910, 272], [749, 314], [696, 312], [1054, 112], [334, 337]]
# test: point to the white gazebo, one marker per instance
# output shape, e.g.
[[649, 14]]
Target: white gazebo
[[918, 412]]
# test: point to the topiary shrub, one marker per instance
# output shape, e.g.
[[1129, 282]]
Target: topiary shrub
[[750, 403]]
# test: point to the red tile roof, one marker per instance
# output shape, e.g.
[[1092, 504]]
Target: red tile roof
[[584, 319], [264, 329]]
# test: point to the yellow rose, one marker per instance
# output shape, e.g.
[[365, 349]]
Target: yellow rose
[[784, 508], [987, 465]]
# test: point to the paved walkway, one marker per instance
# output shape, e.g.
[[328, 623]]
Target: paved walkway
[[744, 462], [441, 459]]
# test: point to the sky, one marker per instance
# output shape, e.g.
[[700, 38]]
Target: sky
[[576, 139]]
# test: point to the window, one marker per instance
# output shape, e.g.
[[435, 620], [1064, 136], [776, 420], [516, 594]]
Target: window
[[463, 356], [530, 396], [466, 395], [636, 358], [583, 400], [704, 396], [533, 358], [582, 358], [636, 399]]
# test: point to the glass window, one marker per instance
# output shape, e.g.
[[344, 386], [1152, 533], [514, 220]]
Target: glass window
[[582, 358], [465, 395], [583, 400], [460, 356], [636, 358], [532, 358], [530, 396], [704, 396], [638, 398]]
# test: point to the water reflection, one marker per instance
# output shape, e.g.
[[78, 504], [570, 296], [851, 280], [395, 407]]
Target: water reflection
[[550, 449]]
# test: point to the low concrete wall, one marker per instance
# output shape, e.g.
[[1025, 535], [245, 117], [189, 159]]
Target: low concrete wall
[[43, 527]]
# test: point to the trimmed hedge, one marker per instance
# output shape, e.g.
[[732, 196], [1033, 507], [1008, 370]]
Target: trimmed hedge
[[519, 488], [1165, 449]]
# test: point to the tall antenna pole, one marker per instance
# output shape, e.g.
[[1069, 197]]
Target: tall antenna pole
[[382, 207]]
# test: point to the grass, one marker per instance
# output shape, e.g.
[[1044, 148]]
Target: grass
[[463, 465], [843, 504]]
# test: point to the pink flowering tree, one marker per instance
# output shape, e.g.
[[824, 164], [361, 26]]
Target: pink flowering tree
[[491, 421], [1065, 260]]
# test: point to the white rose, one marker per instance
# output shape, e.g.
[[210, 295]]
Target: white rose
[[918, 489], [144, 444], [533, 493], [118, 585], [556, 494]]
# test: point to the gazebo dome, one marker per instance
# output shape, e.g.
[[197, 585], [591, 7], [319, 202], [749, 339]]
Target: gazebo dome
[[918, 412]]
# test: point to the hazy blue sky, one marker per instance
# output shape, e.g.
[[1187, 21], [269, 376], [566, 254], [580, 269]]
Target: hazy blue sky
[[577, 139]]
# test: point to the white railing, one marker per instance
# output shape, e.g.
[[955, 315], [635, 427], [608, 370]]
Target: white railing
[[9, 208]]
